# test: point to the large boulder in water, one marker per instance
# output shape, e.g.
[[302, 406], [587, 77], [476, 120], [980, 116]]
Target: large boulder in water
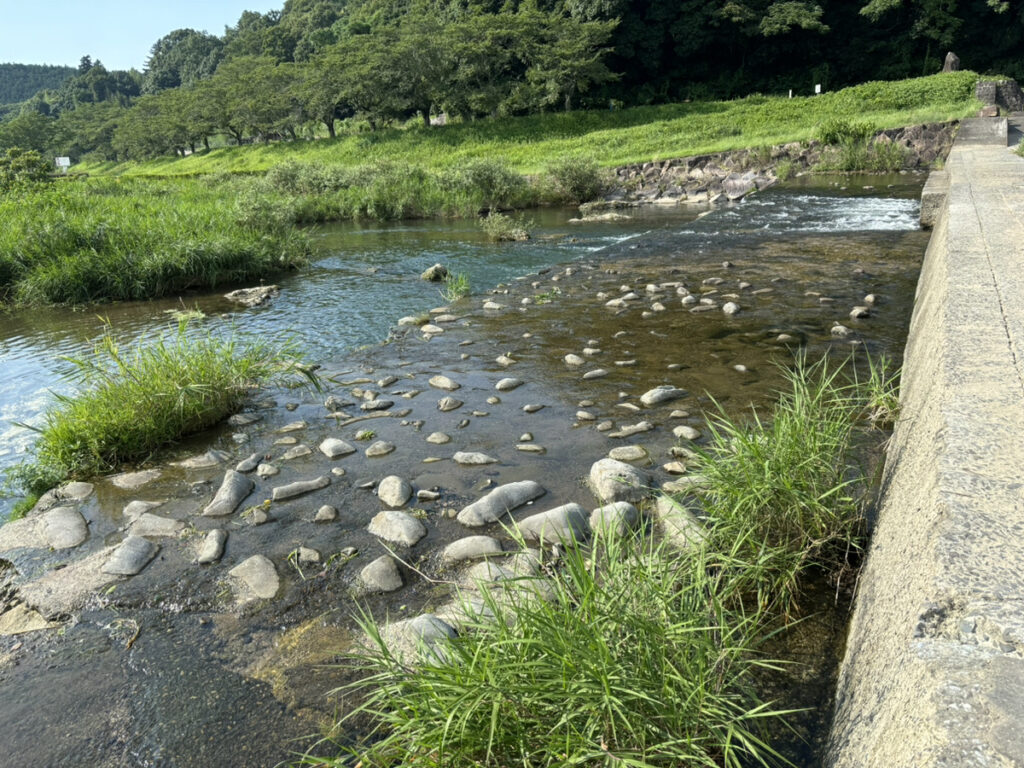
[[435, 274]]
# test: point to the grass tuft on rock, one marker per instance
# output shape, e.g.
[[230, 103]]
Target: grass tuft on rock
[[132, 402]]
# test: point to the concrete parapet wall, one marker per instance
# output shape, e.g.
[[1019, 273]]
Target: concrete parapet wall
[[933, 673]]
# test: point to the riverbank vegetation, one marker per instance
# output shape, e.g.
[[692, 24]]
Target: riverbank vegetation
[[78, 241], [634, 652], [132, 402]]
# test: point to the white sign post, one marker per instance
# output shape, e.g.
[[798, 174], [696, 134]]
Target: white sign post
[[817, 89], [63, 163]]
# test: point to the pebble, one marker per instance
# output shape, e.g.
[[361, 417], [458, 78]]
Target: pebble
[[473, 458], [573, 360], [233, 489], [430, 329], [382, 575], [296, 453], [840, 331], [299, 487], [566, 523], [249, 464], [334, 447], [438, 438], [266, 470], [212, 548], [379, 448], [530, 448], [597, 373], [376, 405], [443, 382], [611, 480], [662, 394], [674, 468], [294, 426], [326, 514], [532, 407], [617, 518], [504, 360], [859, 312], [259, 575], [394, 491], [243, 419], [632, 429], [685, 432], [286, 441], [492, 400], [605, 426], [397, 527], [679, 414], [148, 524], [731, 308], [585, 416], [131, 556], [426, 495], [471, 548], [508, 384], [628, 453], [446, 404], [499, 502], [591, 351]]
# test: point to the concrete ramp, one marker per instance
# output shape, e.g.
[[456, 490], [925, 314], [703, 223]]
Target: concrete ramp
[[933, 673]]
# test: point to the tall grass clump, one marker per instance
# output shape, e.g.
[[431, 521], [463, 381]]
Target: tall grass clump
[[132, 402], [786, 495], [578, 179], [456, 286], [74, 242], [502, 228], [630, 658]]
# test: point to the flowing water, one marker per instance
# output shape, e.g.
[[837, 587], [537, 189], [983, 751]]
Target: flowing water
[[207, 684]]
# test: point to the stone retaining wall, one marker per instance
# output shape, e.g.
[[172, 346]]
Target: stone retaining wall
[[732, 175], [933, 673]]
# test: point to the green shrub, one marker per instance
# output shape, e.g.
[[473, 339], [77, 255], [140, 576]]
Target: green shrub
[[494, 184], [837, 130], [133, 402], [456, 286], [502, 228], [22, 166], [578, 179]]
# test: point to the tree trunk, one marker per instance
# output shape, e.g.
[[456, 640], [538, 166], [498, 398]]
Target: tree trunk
[[330, 127], [206, 143], [426, 116]]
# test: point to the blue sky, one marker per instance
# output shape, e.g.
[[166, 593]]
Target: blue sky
[[117, 32]]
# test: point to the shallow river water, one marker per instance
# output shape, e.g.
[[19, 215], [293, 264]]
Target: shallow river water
[[213, 682]]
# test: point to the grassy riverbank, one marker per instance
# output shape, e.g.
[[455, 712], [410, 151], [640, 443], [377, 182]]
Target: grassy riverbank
[[529, 144], [640, 653], [78, 241], [132, 402]]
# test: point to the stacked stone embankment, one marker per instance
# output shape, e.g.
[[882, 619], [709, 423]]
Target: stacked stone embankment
[[933, 673]]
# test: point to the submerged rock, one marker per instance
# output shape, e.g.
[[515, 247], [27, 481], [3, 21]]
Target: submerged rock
[[64, 528], [212, 548], [252, 297], [131, 556], [259, 576]]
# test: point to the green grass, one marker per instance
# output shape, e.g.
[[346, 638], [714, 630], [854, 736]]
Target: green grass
[[132, 402], [639, 654], [530, 144], [456, 286], [85, 241]]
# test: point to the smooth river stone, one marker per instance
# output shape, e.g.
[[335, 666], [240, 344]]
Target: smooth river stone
[[382, 575], [297, 452], [679, 525], [597, 373], [439, 438], [499, 502], [508, 384], [429, 328], [147, 524], [565, 523], [233, 489], [135, 508], [334, 447], [684, 432], [420, 639], [443, 382], [628, 453], [64, 528], [473, 458], [131, 556], [573, 360], [212, 548], [259, 575], [376, 405], [397, 527], [612, 480], [662, 394], [380, 448], [446, 404], [471, 548], [249, 464], [130, 481], [632, 429], [211, 458], [299, 487], [394, 491], [617, 518]]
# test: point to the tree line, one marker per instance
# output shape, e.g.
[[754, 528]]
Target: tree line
[[299, 71]]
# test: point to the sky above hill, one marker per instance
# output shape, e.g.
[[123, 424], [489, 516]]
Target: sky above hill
[[117, 32]]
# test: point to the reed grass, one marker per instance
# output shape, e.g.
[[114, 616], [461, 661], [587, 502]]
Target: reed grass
[[132, 402]]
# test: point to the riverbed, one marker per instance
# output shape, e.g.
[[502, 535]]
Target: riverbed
[[211, 673]]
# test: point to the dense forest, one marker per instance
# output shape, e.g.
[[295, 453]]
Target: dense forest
[[22, 81], [315, 64]]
